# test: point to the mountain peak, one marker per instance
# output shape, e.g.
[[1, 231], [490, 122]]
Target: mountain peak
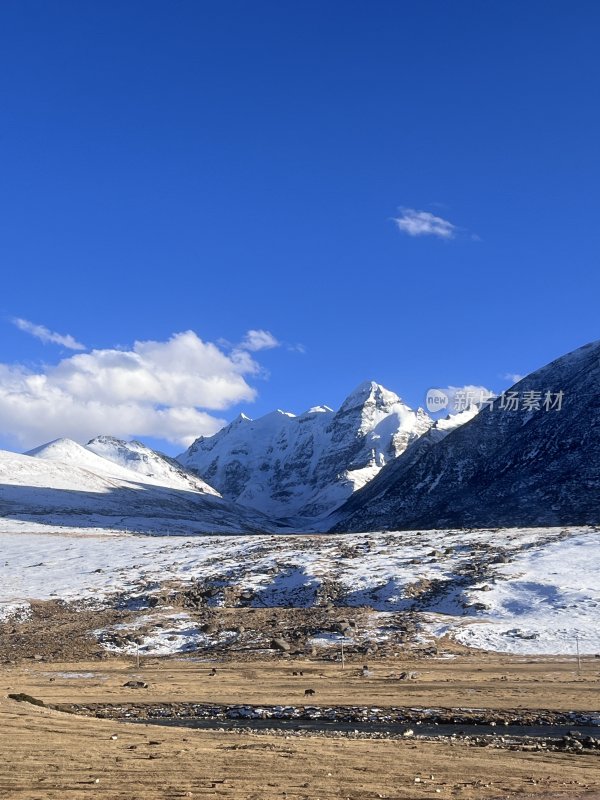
[[240, 419], [366, 388], [319, 410], [369, 392], [528, 465], [104, 440], [276, 415], [67, 451], [56, 447], [306, 465], [140, 459]]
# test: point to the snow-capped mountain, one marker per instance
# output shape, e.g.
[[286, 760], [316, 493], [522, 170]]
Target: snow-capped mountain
[[532, 458], [372, 492], [304, 466], [137, 457], [64, 484]]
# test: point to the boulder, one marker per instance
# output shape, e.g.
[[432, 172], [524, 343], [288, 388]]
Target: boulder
[[209, 627]]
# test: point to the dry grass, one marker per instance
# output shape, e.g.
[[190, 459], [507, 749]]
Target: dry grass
[[476, 681], [51, 756], [46, 755]]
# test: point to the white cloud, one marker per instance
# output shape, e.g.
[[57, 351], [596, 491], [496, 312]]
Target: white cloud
[[461, 397], [256, 340], [159, 389], [513, 377], [47, 336], [297, 348], [423, 223]]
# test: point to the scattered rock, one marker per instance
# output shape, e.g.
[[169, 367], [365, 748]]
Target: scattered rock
[[407, 676], [209, 627]]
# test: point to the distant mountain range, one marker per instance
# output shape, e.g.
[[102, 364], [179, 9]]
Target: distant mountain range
[[531, 457], [302, 467], [127, 487]]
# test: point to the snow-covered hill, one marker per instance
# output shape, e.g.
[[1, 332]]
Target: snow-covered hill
[[69, 453], [531, 459], [137, 457], [512, 590], [63, 484], [304, 466]]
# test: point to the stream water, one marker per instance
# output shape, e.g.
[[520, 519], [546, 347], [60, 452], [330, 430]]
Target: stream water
[[397, 728]]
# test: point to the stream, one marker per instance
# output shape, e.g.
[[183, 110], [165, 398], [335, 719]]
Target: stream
[[393, 728]]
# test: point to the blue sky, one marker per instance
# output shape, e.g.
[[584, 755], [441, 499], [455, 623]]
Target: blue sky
[[232, 167]]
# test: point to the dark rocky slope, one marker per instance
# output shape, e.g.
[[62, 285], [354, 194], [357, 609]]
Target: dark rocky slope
[[506, 467]]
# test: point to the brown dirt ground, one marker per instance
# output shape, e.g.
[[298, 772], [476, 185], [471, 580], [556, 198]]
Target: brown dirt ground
[[57, 632], [47, 755], [475, 681]]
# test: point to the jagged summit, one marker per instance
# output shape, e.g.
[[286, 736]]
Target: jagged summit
[[370, 392], [363, 391], [318, 410], [279, 412], [241, 419], [292, 466]]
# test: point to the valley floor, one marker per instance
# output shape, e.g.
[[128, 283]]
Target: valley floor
[[48, 755], [229, 620], [471, 680]]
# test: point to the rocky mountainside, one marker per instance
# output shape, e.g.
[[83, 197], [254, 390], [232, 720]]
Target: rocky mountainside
[[533, 458], [302, 467], [62, 484]]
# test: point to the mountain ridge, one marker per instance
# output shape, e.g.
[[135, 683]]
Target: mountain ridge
[[375, 463], [302, 466], [139, 458], [63, 484], [505, 467]]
